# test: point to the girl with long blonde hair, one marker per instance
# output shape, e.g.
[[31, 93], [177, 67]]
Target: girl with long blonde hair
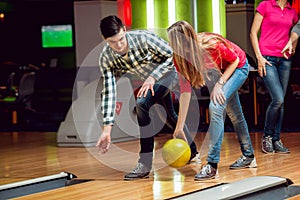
[[209, 58]]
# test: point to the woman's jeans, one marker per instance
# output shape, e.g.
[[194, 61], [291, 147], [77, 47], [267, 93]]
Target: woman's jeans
[[276, 82], [233, 108], [162, 95]]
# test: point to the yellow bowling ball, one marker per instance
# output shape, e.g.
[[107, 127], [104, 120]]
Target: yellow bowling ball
[[176, 152]]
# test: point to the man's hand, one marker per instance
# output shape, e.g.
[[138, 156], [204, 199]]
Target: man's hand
[[104, 140], [148, 85]]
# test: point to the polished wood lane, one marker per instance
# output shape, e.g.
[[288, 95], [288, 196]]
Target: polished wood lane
[[27, 155]]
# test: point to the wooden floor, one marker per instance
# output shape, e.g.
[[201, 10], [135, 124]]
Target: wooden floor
[[28, 155]]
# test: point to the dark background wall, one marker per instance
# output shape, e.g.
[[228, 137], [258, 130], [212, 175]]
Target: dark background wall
[[20, 31], [20, 43]]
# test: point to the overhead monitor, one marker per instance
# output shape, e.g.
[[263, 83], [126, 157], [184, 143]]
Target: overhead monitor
[[54, 36]]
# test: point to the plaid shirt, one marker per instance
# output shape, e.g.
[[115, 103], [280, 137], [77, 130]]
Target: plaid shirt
[[149, 55]]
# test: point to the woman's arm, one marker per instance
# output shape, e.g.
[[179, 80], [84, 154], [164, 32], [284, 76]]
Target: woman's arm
[[230, 69], [261, 61], [217, 95], [290, 47], [184, 102], [257, 21]]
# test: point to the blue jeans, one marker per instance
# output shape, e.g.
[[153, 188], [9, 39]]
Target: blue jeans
[[276, 82], [233, 108], [162, 95]]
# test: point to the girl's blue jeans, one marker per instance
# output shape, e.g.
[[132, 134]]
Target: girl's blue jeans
[[233, 108]]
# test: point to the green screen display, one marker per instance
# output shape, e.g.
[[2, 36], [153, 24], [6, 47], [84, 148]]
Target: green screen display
[[57, 36]]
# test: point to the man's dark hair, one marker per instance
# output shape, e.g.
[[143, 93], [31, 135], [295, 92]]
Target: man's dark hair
[[110, 26]]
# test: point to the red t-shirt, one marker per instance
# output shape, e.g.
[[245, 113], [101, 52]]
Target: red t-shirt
[[223, 56], [184, 85]]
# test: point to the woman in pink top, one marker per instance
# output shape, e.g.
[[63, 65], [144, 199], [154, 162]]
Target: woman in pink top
[[208, 58], [274, 19]]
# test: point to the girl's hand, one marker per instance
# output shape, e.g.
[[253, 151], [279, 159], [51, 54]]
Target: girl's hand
[[217, 95], [179, 133], [262, 66]]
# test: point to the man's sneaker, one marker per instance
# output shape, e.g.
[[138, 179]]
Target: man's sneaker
[[207, 172], [244, 162], [280, 148], [195, 157], [139, 172], [267, 145]]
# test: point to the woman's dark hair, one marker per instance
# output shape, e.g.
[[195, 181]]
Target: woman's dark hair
[[110, 26], [291, 2]]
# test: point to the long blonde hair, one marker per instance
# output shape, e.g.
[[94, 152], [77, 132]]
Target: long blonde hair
[[192, 51], [186, 52], [210, 42]]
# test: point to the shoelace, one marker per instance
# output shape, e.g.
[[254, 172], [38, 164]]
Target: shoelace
[[206, 169], [269, 141], [242, 158], [280, 143], [137, 168]]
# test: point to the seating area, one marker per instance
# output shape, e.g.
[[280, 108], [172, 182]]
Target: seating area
[[34, 99], [38, 100]]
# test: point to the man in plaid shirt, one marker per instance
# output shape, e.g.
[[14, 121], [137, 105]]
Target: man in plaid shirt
[[151, 59]]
